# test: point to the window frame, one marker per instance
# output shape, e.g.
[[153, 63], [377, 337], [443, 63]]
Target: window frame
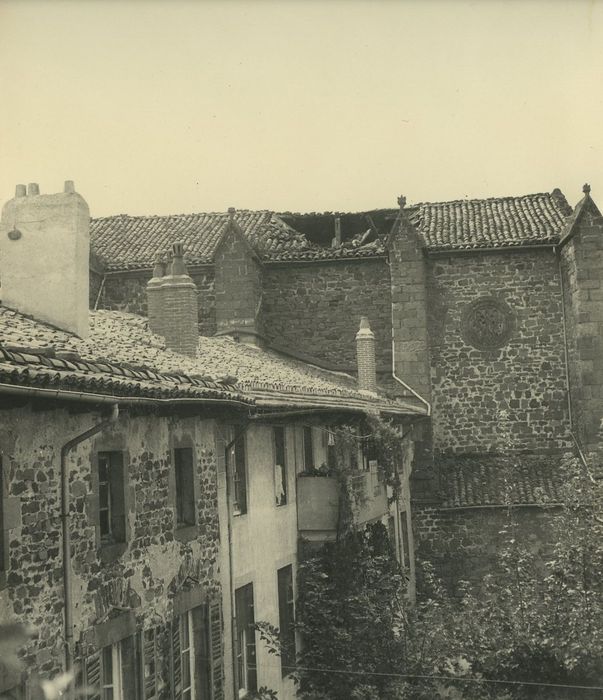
[[286, 613], [117, 498], [245, 675], [237, 472], [308, 448], [284, 471], [190, 487]]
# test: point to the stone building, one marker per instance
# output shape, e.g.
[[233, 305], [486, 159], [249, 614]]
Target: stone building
[[489, 312], [150, 492]]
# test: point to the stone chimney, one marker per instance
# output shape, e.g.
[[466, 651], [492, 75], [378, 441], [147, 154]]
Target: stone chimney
[[172, 303], [154, 295], [365, 357], [44, 256]]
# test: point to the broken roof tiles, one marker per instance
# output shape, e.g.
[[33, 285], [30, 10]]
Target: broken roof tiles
[[130, 242]]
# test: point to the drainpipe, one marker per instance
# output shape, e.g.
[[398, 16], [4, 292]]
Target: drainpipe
[[394, 375], [66, 526]]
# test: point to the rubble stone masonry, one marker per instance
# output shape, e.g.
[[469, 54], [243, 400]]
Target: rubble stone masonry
[[150, 569], [508, 398]]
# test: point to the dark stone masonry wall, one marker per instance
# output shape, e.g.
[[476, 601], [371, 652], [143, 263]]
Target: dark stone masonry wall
[[154, 563], [462, 543], [513, 397], [316, 309], [126, 291]]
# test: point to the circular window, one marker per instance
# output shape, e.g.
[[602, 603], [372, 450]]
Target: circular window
[[487, 324]]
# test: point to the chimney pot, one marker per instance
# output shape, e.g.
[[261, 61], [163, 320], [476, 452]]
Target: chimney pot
[[365, 357], [20, 191], [178, 266], [69, 186], [33, 188]]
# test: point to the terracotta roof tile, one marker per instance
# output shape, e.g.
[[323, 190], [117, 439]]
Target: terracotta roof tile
[[121, 344], [130, 242], [497, 480], [497, 222]]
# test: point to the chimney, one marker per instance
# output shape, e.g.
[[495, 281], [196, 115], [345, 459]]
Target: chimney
[[365, 357], [44, 256], [336, 242], [154, 295], [178, 319]]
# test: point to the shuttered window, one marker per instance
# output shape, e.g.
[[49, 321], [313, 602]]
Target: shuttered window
[[246, 656], [185, 486], [286, 611], [280, 466], [196, 654], [308, 449], [238, 469], [111, 497], [114, 672]]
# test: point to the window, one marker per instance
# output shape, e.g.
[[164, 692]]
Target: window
[[286, 612], [246, 663], [280, 466], [185, 486], [111, 497], [192, 660], [308, 449], [238, 469], [369, 455], [148, 664], [113, 672]]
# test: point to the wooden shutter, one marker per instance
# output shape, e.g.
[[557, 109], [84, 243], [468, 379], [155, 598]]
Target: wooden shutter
[[92, 675], [216, 660], [175, 660], [148, 664], [252, 673]]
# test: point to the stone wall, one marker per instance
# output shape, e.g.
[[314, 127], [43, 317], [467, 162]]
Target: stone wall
[[582, 268], [498, 398], [126, 291], [462, 543], [148, 574], [316, 309]]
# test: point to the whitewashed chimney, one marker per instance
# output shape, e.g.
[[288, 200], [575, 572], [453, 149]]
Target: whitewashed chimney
[[44, 256], [365, 357]]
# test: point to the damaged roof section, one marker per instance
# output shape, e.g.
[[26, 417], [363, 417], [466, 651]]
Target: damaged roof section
[[130, 242]]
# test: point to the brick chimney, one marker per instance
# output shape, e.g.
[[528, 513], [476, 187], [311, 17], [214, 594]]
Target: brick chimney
[[44, 256], [154, 294], [172, 299], [365, 357]]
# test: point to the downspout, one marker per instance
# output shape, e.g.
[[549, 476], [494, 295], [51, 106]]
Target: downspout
[[100, 291], [394, 375], [66, 526]]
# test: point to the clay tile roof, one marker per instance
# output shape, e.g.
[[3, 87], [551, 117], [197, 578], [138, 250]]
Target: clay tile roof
[[129, 242], [496, 480], [497, 222], [120, 348]]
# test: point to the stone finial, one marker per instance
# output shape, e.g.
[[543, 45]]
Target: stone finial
[[401, 201], [231, 213], [586, 188], [33, 188], [20, 191]]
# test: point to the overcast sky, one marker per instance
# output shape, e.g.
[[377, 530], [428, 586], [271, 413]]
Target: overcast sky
[[169, 107]]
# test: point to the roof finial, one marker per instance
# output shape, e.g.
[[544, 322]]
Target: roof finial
[[231, 213], [401, 201], [586, 188]]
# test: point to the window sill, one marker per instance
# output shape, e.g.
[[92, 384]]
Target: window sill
[[111, 552], [186, 533]]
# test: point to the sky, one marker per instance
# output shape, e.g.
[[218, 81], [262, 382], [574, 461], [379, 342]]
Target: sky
[[156, 107]]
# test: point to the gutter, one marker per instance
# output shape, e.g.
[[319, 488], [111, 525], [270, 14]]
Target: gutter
[[66, 533], [86, 397]]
